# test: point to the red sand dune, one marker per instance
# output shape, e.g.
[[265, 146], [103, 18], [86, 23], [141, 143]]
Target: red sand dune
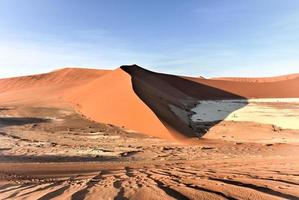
[[259, 79], [62, 76], [268, 88], [111, 99], [45, 88], [152, 103]]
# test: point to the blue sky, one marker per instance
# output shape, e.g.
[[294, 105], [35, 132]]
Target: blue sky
[[192, 37]]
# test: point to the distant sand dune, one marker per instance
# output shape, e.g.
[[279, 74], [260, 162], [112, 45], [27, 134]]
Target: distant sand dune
[[259, 79], [62, 76], [288, 88]]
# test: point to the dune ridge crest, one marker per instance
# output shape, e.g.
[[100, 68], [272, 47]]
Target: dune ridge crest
[[60, 76]]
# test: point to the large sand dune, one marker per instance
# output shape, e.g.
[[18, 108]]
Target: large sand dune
[[111, 99], [137, 99]]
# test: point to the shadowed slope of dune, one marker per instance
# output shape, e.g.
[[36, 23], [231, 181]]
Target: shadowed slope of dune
[[171, 97]]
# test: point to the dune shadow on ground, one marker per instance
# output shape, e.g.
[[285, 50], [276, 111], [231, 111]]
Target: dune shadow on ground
[[209, 113], [17, 121], [172, 97]]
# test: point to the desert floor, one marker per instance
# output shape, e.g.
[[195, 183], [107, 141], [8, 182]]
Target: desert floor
[[55, 153]]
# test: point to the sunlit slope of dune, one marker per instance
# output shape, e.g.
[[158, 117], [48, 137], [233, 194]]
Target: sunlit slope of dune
[[63, 76], [111, 99], [48, 88]]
